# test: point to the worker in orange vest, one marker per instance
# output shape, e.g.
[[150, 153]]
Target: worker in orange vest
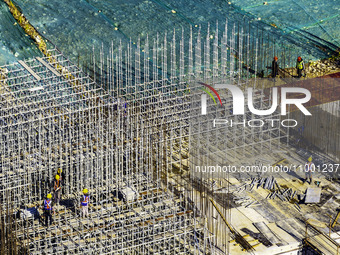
[[47, 206], [85, 201], [61, 174], [57, 189]]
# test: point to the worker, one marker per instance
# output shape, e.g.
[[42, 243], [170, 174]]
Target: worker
[[47, 206], [275, 67], [309, 170], [85, 200], [299, 66], [57, 189], [61, 175]]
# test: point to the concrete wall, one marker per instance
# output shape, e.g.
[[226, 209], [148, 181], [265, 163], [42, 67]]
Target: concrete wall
[[322, 129]]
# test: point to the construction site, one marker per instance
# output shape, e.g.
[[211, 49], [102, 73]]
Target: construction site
[[171, 162]]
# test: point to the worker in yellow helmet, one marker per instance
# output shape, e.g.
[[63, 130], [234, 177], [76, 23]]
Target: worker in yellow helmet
[[309, 170], [47, 206], [57, 189], [61, 173], [85, 200]]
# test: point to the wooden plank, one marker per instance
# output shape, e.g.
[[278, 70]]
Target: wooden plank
[[23, 64], [323, 244], [336, 219], [265, 230]]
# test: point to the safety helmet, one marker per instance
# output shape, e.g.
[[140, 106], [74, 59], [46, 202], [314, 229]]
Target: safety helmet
[[276, 58], [85, 191], [60, 170], [57, 177], [49, 196], [310, 159], [299, 58]]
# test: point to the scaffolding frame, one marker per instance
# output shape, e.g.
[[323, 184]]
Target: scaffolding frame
[[141, 132]]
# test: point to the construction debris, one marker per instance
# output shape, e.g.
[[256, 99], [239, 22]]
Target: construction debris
[[129, 143], [313, 195]]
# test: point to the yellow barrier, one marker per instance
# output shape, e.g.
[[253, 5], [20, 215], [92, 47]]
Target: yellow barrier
[[39, 41], [29, 29]]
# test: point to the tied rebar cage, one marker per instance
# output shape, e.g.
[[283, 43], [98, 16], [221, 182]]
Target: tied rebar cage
[[52, 120], [132, 144], [162, 84]]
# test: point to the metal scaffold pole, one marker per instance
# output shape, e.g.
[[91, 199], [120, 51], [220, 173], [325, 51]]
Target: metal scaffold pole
[[132, 134]]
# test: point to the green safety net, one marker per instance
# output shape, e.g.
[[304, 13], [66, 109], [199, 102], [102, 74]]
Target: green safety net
[[318, 18], [14, 44], [76, 26]]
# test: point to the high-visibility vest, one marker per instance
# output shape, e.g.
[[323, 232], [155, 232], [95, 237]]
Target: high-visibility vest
[[86, 200], [47, 204], [56, 184], [309, 166], [299, 65]]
